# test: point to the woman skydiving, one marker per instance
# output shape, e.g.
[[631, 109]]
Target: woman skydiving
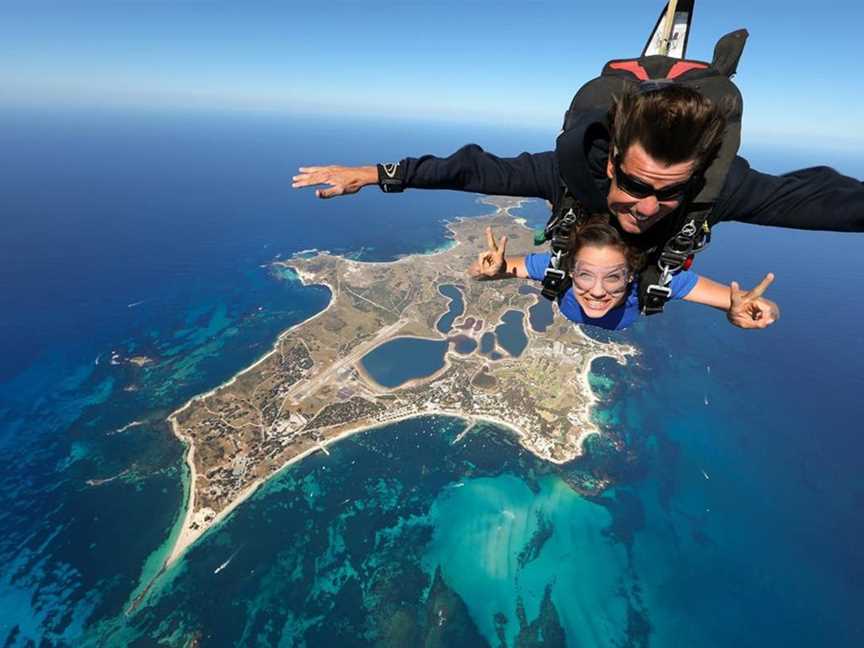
[[604, 272]]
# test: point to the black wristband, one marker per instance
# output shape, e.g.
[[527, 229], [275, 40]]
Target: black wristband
[[390, 177]]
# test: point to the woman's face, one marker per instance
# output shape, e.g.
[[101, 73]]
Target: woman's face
[[600, 279]]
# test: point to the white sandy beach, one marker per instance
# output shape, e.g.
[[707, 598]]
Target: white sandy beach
[[188, 536]]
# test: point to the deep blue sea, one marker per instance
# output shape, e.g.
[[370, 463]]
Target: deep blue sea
[[737, 509]]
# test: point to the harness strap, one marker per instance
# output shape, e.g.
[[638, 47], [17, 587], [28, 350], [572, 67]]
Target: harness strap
[[556, 278], [655, 282]]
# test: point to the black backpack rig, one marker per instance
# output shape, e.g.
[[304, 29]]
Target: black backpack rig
[[690, 231]]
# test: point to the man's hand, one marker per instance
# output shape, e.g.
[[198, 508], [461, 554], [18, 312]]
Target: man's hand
[[491, 263], [341, 180], [750, 309]]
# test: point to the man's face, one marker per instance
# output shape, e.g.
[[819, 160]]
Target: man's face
[[635, 214]]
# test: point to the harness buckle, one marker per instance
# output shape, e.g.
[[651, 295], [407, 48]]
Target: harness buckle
[[656, 290], [555, 283], [689, 230], [672, 261], [553, 274], [657, 294], [569, 218]]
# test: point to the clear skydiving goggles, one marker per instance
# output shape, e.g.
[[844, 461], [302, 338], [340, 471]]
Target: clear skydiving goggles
[[614, 280]]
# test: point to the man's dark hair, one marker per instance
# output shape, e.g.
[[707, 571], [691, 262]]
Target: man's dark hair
[[673, 124], [598, 232]]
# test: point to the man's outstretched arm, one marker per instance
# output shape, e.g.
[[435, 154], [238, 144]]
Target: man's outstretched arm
[[340, 180], [818, 198], [468, 169]]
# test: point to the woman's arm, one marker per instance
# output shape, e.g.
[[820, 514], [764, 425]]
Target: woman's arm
[[492, 264], [710, 293], [745, 309]]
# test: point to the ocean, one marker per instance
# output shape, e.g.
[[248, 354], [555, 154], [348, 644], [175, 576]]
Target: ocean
[[736, 505]]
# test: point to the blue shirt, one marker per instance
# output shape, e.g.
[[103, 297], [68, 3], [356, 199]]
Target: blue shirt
[[617, 318]]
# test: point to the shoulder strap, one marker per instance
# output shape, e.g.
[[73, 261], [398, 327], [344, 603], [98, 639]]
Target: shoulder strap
[[713, 81], [627, 75], [655, 281], [565, 215]]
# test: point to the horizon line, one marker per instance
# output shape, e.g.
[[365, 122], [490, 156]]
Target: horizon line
[[793, 141]]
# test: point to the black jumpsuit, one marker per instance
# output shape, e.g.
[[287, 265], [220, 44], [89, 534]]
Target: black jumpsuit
[[817, 198]]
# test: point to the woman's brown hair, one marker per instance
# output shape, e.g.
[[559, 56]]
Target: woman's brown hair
[[597, 232]]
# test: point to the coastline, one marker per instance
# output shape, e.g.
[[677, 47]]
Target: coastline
[[183, 541], [186, 537]]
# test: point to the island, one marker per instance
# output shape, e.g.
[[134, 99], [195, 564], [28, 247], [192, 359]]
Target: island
[[483, 362]]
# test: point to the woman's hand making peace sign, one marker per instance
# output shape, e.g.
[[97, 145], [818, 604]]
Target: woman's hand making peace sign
[[492, 263]]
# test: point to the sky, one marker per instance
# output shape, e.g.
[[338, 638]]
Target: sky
[[515, 64]]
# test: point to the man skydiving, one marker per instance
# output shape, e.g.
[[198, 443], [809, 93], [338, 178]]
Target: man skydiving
[[640, 162]]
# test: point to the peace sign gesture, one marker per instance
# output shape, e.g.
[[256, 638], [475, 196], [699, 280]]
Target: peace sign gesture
[[491, 263], [749, 309]]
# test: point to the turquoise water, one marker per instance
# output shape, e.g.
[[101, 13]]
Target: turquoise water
[[343, 550], [734, 520], [163, 251], [403, 359], [511, 333], [500, 543], [455, 308]]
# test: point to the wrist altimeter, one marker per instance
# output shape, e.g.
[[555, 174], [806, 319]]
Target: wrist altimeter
[[390, 177]]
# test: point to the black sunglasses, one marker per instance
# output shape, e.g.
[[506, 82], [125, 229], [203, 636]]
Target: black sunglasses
[[639, 189]]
